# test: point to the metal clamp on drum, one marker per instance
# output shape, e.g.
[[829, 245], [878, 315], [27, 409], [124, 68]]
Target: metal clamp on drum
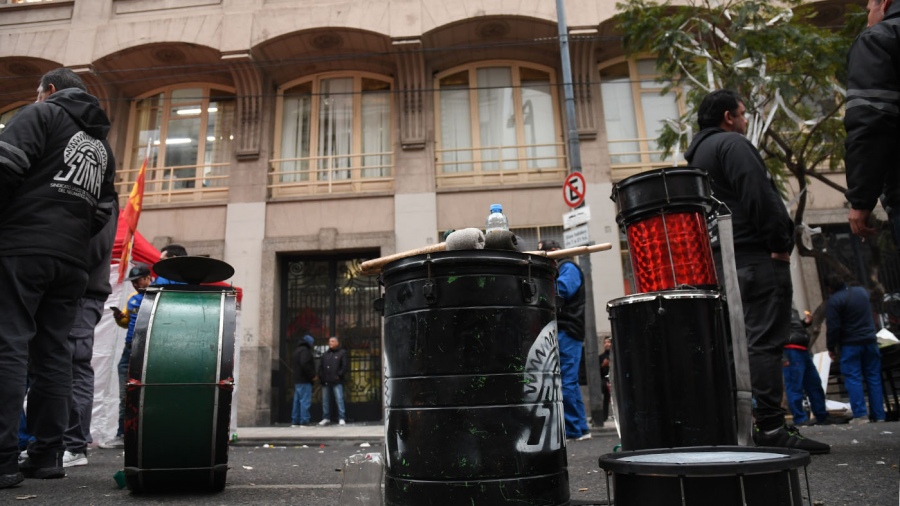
[[664, 213]]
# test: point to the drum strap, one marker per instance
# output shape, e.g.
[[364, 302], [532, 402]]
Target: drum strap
[[744, 399]]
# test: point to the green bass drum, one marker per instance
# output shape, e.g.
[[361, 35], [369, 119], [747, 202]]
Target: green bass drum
[[180, 384]]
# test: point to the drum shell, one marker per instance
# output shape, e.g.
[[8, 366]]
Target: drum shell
[[669, 188], [754, 476], [178, 402], [671, 370], [473, 403]]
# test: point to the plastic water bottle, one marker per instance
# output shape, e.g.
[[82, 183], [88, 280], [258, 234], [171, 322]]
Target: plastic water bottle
[[496, 220]]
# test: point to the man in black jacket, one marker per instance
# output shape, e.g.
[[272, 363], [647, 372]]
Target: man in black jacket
[[331, 374], [763, 240], [872, 119], [304, 372], [56, 169]]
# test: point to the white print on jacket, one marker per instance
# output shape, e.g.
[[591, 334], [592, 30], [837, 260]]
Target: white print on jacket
[[543, 388], [86, 158]]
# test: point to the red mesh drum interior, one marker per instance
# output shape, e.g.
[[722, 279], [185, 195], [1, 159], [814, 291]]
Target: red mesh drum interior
[[671, 250]]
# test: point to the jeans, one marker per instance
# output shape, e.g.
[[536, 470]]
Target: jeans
[[302, 401], [38, 295], [123, 382], [801, 375], [766, 297], [327, 391], [573, 405], [863, 362]]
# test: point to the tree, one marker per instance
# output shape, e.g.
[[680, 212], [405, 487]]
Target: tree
[[787, 67]]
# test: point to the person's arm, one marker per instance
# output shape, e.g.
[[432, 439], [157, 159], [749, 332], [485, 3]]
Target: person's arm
[[569, 280], [108, 195], [872, 121], [21, 145], [761, 203]]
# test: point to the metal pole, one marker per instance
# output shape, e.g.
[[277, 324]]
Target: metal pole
[[591, 347]]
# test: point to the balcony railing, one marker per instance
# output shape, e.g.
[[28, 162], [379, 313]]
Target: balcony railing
[[177, 184], [335, 174], [499, 165], [628, 163]]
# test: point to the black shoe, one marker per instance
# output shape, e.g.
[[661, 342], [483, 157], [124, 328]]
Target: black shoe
[[833, 420], [789, 437], [10, 480], [47, 468]]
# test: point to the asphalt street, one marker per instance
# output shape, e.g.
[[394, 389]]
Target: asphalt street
[[862, 470]]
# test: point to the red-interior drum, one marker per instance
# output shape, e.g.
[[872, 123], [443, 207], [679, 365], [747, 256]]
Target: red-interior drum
[[663, 212]]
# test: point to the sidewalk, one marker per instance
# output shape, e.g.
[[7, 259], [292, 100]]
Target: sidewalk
[[371, 432]]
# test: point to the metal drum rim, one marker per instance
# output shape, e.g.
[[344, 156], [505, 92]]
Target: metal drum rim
[[506, 258], [678, 294], [793, 459]]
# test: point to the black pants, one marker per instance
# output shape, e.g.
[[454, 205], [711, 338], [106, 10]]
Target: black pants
[[766, 293], [81, 343], [38, 297]]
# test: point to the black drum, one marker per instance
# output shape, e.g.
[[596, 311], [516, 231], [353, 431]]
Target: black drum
[[664, 213], [180, 384], [671, 372], [473, 402], [723, 475]]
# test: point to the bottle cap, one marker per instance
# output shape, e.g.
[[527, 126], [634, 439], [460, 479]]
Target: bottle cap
[[496, 208]]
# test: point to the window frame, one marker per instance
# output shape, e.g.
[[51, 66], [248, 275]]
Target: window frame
[[314, 185], [621, 171], [161, 191], [521, 174]]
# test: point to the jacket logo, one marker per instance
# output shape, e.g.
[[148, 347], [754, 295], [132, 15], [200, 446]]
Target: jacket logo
[[86, 159]]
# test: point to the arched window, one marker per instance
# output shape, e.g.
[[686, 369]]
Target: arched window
[[7, 115], [635, 112], [189, 131], [334, 135], [498, 123]]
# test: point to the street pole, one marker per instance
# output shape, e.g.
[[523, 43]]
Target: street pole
[[591, 347]]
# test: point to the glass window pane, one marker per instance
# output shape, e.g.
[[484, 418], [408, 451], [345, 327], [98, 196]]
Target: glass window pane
[[7, 116], [540, 125], [335, 128], [496, 118], [147, 132], [618, 112], [181, 150], [295, 130], [376, 128], [657, 109], [219, 137], [456, 123]]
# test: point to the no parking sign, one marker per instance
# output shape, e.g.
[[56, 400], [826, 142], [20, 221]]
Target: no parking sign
[[574, 189]]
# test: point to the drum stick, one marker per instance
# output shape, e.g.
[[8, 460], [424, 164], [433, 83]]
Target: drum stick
[[571, 252], [374, 266]]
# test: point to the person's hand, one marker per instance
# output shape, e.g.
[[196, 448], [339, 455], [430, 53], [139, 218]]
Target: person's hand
[[605, 363], [117, 314], [832, 355], [861, 223], [784, 256]]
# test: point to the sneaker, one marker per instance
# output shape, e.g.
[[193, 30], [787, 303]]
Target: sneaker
[[789, 437], [341, 422], [10, 480], [325, 422], [74, 459], [23, 455], [51, 469], [584, 437], [860, 420], [117, 442]]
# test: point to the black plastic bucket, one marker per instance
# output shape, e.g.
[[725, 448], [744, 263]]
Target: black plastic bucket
[[701, 476], [473, 402], [671, 372]]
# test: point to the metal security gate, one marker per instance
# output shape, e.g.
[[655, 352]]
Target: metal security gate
[[323, 297]]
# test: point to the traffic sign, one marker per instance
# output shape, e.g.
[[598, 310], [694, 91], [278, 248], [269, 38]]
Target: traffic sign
[[574, 189], [577, 236], [577, 217]]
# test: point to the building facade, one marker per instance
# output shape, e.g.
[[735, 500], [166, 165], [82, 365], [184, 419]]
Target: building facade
[[296, 138]]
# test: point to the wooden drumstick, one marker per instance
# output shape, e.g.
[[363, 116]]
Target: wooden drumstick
[[571, 252], [374, 266]]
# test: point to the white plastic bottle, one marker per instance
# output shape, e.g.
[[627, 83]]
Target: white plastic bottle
[[496, 220]]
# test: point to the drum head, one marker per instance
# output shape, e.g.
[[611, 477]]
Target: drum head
[[665, 189], [194, 270]]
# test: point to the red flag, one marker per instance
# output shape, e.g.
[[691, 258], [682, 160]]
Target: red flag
[[131, 214]]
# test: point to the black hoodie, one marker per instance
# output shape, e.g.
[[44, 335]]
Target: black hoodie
[[738, 177], [56, 169]]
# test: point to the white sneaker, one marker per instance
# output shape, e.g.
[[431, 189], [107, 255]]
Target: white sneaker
[[584, 437], [325, 422], [117, 442], [23, 455], [74, 459], [342, 422]]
